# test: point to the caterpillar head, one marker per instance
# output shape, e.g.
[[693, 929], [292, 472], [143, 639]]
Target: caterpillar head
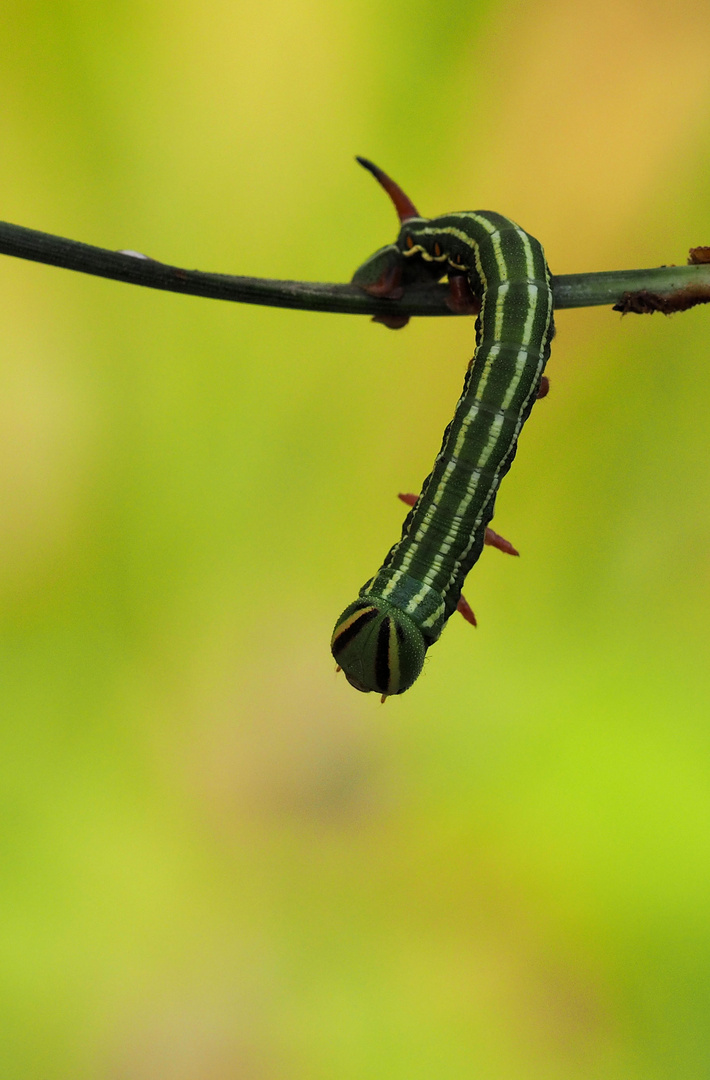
[[378, 647]]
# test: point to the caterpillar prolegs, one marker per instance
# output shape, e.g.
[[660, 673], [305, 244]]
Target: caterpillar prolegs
[[381, 639]]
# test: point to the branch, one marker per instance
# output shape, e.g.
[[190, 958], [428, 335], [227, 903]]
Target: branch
[[665, 288]]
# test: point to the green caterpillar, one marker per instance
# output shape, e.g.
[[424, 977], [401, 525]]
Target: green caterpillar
[[381, 639]]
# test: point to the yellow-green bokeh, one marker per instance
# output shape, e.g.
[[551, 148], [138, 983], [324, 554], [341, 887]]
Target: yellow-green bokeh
[[217, 860]]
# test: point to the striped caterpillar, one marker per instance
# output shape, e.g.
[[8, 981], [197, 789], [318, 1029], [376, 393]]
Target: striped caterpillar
[[381, 639]]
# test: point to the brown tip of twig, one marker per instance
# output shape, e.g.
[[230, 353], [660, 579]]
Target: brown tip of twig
[[645, 302], [698, 255]]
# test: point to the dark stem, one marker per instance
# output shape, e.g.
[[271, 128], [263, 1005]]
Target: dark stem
[[685, 285]]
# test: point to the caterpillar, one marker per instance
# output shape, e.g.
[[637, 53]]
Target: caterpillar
[[381, 639]]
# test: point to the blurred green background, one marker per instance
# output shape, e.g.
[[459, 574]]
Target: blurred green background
[[218, 860]]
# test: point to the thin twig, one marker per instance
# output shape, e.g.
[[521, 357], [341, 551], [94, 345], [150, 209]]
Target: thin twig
[[668, 287]]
